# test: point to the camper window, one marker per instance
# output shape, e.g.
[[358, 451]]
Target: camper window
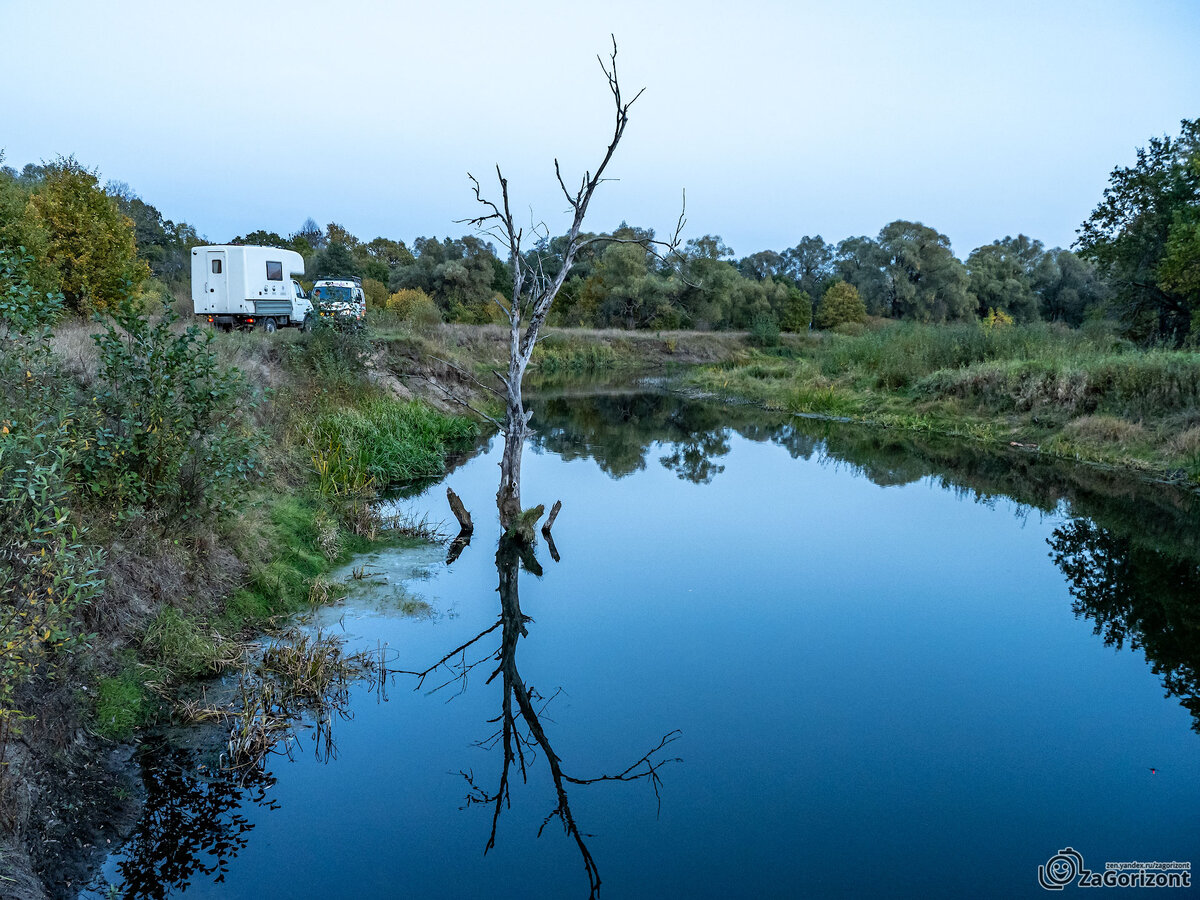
[[216, 267], [274, 271]]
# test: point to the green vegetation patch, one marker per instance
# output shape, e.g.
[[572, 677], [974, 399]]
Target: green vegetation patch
[[123, 703], [1075, 393], [382, 442]]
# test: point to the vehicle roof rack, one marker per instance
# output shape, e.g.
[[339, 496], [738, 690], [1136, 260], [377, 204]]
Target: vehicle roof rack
[[353, 278]]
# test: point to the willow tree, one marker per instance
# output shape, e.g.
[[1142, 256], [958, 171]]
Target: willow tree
[[533, 291]]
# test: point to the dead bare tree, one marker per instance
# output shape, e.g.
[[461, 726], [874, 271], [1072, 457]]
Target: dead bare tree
[[533, 293]]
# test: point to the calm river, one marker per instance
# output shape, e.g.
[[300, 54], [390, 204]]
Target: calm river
[[845, 662]]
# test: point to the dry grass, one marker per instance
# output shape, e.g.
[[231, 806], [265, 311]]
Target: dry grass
[[75, 349], [322, 591], [1186, 443], [301, 673], [1104, 431]]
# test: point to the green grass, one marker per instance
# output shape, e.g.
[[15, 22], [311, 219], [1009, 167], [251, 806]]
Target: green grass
[[382, 442], [1080, 394], [123, 703], [564, 355], [279, 582], [188, 647]]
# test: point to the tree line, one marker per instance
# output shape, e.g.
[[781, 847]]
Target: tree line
[[1137, 260]]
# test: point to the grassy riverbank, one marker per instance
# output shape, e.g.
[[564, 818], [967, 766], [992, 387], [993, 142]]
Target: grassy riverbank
[[167, 498], [1077, 394]]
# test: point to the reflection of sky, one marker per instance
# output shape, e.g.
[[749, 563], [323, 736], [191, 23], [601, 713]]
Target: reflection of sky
[[872, 683]]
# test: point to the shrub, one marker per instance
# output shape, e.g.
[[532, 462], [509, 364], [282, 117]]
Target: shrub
[[840, 304], [764, 331], [797, 311], [997, 318], [402, 300], [164, 430], [376, 293], [46, 569], [424, 313]]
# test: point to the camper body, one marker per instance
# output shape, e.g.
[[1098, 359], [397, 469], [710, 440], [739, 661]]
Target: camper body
[[248, 287]]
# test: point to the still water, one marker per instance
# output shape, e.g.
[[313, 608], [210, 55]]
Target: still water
[[842, 662]]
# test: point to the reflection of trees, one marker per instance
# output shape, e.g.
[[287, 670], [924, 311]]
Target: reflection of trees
[[1137, 596], [521, 734], [617, 431], [191, 824], [692, 459]]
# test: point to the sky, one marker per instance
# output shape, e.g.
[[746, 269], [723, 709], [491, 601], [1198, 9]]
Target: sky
[[778, 119]]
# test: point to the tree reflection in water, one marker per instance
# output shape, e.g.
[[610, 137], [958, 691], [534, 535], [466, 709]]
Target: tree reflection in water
[[1138, 596], [192, 824], [520, 734], [1130, 554]]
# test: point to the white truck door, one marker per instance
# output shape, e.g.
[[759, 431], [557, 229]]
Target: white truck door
[[217, 281], [300, 306]]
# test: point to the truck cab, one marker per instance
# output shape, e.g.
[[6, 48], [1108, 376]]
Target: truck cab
[[340, 300]]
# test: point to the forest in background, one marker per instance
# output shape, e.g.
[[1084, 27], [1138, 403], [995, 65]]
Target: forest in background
[[1136, 263]]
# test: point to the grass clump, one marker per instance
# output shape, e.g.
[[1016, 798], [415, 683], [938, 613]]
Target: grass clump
[[187, 647], [558, 355], [123, 702], [383, 442]]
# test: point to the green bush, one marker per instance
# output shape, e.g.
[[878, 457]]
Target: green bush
[[840, 304], [164, 430], [764, 331], [47, 571], [797, 311]]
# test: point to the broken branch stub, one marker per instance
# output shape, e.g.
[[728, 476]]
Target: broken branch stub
[[550, 519], [460, 512]]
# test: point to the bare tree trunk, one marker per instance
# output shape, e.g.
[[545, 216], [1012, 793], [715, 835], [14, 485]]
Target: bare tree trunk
[[534, 290], [516, 427]]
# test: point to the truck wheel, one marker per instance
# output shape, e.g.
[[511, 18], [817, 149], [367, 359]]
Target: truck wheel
[[269, 326]]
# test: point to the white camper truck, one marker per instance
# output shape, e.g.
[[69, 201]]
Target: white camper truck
[[248, 287]]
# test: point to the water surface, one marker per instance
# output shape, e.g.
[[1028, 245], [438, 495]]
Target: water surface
[[886, 667]]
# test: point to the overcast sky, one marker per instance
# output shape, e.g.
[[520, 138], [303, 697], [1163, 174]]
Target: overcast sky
[[780, 119]]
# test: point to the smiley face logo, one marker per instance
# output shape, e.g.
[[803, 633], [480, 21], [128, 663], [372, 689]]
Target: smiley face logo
[[1060, 869]]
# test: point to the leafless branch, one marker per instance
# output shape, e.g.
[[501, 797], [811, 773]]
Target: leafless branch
[[467, 375], [453, 397]]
